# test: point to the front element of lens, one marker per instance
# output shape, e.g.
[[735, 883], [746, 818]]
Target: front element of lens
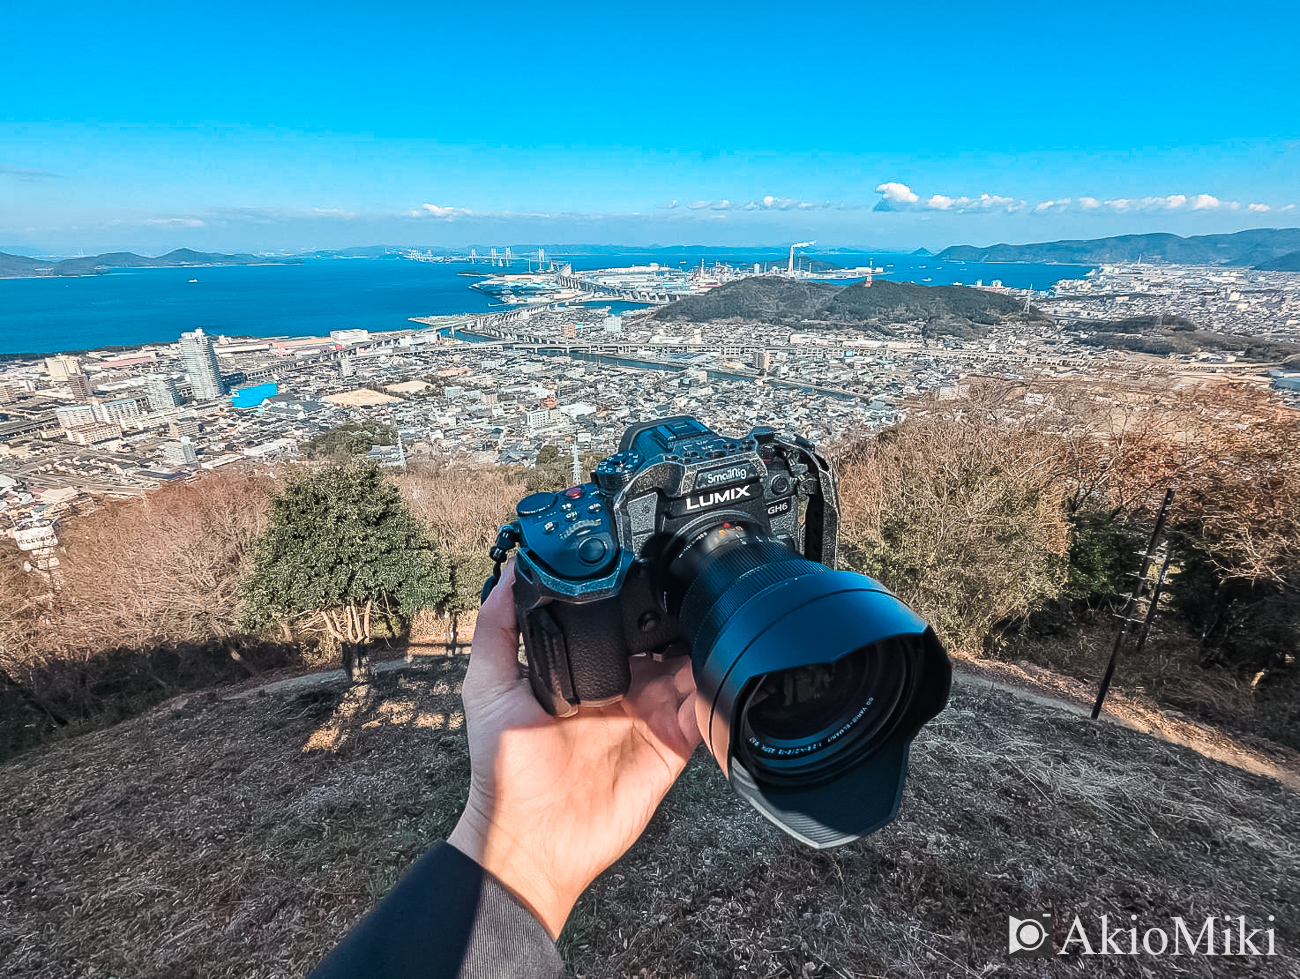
[[809, 719]]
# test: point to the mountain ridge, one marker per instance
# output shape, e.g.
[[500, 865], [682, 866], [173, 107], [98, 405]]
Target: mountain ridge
[[1256, 247], [20, 266]]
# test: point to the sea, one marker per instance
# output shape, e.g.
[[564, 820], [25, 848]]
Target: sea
[[130, 307]]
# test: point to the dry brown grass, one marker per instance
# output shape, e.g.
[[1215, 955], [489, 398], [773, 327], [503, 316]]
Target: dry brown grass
[[240, 836]]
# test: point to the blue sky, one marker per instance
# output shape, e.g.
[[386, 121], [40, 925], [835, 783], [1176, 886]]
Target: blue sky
[[238, 127]]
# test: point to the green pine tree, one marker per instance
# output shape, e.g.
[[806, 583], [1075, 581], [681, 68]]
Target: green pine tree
[[343, 547]]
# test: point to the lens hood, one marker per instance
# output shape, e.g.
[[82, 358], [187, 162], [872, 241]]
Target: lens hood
[[810, 620]]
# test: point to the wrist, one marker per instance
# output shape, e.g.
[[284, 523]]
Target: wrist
[[516, 869]]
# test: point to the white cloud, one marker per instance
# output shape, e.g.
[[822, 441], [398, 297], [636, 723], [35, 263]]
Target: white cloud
[[1260, 208], [897, 193], [985, 202], [1289, 207], [443, 212], [174, 223], [700, 205], [1140, 205], [896, 196]]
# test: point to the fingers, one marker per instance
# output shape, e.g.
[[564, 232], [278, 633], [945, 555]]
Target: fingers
[[645, 670], [663, 697], [494, 655], [687, 723]]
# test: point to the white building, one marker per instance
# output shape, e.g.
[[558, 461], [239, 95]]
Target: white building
[[62, 366], [180, 453], [162, 392], [201, 367], [118, 410], [71, 416]]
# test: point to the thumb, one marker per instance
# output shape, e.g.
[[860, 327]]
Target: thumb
[[494, 655]]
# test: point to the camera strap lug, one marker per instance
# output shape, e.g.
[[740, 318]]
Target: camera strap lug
[[507, 538]]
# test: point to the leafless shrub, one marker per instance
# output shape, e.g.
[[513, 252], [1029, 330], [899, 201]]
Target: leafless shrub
[[165, 568], [462, 505], [960, 510]]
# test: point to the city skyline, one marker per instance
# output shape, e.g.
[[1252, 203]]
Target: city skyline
[[314, 127]]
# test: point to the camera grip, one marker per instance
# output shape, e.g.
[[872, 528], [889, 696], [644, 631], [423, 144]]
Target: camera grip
[[576, 654]]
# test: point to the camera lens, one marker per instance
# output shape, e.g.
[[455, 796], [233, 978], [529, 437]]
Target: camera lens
[[811, 682], [812, 718]]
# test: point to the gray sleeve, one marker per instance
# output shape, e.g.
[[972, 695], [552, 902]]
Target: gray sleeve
[[447, 919]]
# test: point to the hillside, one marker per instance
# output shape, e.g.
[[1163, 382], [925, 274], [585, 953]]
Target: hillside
[[1253, 247], [240, 835], [766, 299], [19, 266], [1289, 262], [878, 307], [1177, 335]]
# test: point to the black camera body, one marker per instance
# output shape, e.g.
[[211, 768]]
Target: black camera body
[[810, 682], [585, 576]]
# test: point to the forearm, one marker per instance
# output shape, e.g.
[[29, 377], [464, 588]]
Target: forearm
[[447, 918]]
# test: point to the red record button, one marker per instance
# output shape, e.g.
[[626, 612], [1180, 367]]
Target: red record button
[[573, 492]]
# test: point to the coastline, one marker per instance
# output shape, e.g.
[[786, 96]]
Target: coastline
[[109, 270]]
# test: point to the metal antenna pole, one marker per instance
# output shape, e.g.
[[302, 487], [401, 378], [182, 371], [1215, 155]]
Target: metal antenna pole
[[1126, 617]]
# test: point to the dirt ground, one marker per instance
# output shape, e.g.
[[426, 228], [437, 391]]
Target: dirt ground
[[241, 833]]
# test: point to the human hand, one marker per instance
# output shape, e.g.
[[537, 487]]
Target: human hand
[[553, 802]]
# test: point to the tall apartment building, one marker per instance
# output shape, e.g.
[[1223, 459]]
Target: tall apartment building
[[79, 385], [201, 366], [162, 392]]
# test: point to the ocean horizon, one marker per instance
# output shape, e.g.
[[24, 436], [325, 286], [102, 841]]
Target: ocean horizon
[[132, 307]]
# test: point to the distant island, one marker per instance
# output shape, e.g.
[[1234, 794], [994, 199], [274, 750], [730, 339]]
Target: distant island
[[22, 267], [959, 311], [1259, 248]]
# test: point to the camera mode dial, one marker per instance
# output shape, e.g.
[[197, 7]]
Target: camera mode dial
[[614, 473]]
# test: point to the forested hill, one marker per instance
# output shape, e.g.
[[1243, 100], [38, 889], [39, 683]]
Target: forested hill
[[788, 302], [1289, 262], [1255, 247], [20, 266]]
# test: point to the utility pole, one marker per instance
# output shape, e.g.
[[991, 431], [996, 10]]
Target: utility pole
[[1128, 618]]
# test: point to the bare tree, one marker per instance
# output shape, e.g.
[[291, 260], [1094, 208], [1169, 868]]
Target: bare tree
[[462, 505]]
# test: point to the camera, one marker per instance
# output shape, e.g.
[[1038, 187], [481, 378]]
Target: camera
[[811, 682]]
